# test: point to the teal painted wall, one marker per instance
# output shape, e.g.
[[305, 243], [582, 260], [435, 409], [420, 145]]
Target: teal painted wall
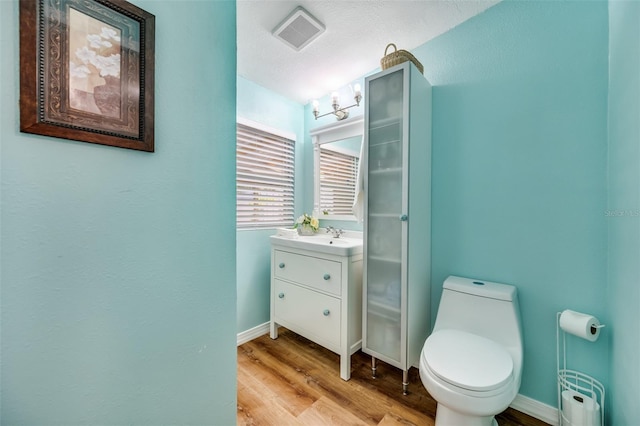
[[624, 211], [263, 106], [519, 168], [118, 285]]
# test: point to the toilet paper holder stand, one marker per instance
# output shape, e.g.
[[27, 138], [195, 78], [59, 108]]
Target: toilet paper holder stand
[[581, 386]]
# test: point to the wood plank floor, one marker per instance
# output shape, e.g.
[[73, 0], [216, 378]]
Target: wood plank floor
[[293, 381]]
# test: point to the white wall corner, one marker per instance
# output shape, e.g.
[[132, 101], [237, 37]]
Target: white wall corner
[[253, 333], [537, 409]]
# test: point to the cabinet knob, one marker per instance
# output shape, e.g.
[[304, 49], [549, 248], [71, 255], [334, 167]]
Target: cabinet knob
[[403, 217], [281, 295], [326, 312], [326, 277], [281, 265]]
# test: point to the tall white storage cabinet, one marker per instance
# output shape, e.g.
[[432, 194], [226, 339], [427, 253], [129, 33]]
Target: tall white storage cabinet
[[397, 237]]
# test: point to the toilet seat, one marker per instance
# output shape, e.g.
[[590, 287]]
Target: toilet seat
[[474, 364]]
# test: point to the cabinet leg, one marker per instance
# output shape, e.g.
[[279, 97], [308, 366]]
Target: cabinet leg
[[273, 330], [405, 382], [374, 366], [345, 366]]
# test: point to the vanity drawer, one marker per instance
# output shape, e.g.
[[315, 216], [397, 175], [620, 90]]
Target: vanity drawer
[[323, 274], [315, 314]]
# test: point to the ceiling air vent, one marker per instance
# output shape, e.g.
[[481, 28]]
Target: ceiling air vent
[[298, 29]]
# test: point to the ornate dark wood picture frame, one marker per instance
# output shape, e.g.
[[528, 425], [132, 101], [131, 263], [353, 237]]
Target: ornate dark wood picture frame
[[87, 71]]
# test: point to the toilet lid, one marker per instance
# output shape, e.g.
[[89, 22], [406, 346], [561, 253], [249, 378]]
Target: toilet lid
[[467, 360]]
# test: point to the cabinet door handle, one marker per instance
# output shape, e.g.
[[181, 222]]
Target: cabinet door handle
[[326, 277], [326, 312], [403, 218], [281, 265], [281, 295]]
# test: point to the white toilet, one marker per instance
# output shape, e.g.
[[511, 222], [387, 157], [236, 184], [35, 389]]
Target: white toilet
[[472, 362]]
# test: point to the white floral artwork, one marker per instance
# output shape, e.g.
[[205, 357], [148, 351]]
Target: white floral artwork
[[94, 65]]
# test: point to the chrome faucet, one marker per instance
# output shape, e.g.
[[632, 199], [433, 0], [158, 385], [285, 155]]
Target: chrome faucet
[[335, 232]]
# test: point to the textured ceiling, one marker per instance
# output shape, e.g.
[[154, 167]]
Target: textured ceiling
[[356, 35]]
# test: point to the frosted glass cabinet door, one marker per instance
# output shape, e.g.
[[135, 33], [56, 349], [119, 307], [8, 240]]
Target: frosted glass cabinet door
[[397, 212], [384, 211]]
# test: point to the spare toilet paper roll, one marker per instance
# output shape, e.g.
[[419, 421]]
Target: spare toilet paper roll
[[579, 409], [567, 395], [581, 325]]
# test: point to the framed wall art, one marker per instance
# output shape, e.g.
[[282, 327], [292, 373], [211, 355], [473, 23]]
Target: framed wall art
[[87, 71]]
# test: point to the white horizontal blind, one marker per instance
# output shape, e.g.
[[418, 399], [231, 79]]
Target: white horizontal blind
[[264, 179], [338, 173]]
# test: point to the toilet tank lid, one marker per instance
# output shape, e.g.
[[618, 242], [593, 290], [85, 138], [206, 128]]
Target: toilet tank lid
[[480, 288]]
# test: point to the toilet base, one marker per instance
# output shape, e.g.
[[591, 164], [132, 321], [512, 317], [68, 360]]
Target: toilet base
[[448, 417]]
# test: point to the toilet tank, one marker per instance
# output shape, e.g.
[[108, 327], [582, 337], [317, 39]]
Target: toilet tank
[[480, 307]]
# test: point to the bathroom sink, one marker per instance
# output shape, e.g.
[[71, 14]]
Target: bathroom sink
[[348, 244]]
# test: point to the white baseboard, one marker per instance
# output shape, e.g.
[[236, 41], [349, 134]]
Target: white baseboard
[[537, 409], [253, 333], [524, 404]]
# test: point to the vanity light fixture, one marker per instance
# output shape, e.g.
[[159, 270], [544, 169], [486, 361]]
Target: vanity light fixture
[[340, 112]]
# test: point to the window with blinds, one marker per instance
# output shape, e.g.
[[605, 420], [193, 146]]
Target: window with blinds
[[338, 173], [264, 179]]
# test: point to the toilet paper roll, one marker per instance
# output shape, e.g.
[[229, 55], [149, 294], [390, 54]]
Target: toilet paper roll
[[579, 409], [592, 414], [566, 405], [581, 325]]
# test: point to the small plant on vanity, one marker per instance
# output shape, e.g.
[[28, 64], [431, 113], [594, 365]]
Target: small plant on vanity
[[307, 224]]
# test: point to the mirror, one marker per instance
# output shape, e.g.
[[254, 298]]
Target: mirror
[[336, 155]]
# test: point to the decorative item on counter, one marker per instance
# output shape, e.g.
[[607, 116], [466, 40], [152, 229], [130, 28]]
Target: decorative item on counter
[[307, 224], [397, 57], [287, 233]]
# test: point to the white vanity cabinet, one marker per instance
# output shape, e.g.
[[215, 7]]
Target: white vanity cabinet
[[397, 237], [319, 296]]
